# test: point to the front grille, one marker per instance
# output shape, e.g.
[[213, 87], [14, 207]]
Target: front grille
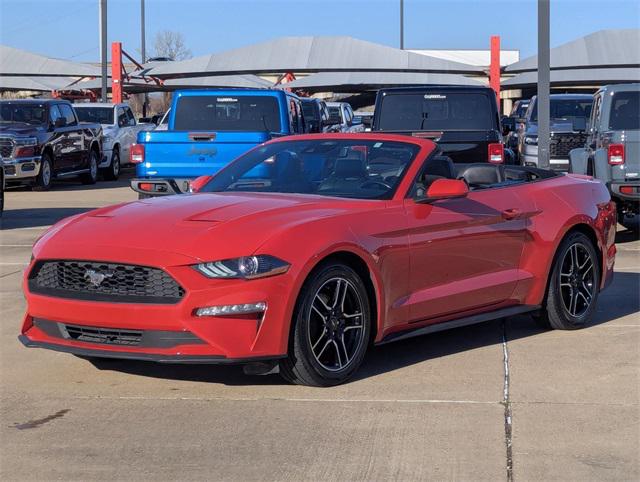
[[6, 146], [561, 144], [108, 336], [96, 281]]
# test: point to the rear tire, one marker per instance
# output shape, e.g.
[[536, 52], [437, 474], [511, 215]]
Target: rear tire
[[330, 329], [92, 176], [43, 179], [112, 173], [573, 287]]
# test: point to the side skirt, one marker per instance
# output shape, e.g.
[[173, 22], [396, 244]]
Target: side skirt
[[468, 320]]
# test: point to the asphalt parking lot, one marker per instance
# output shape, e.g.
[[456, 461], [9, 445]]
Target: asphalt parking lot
[[560, 405]]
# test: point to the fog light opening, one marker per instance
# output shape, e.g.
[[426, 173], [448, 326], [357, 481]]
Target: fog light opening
[[230, 310]]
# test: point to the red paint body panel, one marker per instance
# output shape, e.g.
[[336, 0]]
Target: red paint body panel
[[427, 262]]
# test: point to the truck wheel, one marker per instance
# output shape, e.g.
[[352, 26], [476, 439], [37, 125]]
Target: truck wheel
[[112, 172], [572, 290], [43, 179], [92, 176]]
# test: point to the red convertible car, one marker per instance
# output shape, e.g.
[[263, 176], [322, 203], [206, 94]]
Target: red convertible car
[[305, 251]]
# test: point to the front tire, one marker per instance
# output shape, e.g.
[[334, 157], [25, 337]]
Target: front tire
[[574, 284], [43, 179], [92, 176], [112, 173], [331, 328]]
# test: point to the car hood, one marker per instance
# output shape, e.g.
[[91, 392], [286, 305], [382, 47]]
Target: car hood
[[186, 227], [20, 129]]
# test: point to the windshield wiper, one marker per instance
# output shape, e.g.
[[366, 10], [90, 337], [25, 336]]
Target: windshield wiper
[[424, 118]]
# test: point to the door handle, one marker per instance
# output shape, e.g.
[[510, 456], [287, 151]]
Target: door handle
[[511, 213]]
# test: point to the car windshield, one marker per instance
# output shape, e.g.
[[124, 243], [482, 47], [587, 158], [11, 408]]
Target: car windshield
[[435, 111], [362, 169], [309, 111], [566, 109], [241, 113], [100, 115], [625, 111], [24, 113], [520, 110], [334, 115]]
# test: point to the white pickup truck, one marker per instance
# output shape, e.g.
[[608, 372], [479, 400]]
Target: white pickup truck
[[120, 130]]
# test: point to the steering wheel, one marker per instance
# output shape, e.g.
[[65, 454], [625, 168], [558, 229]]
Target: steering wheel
[[375, 183]]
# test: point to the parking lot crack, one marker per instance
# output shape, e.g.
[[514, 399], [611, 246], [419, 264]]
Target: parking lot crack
[[506, 401]]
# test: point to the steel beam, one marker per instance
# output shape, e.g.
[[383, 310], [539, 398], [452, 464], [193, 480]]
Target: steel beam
[[543, 101]]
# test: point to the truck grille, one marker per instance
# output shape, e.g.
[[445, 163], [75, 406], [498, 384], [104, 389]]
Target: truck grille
[[6, 146], [561, 144], [96, 281], [109, 336]]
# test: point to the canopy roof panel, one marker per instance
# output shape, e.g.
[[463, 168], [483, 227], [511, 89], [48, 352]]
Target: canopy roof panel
[[39, 84], [16, 62], [602, 49], [576, 77], [309, 54], [359, 81]]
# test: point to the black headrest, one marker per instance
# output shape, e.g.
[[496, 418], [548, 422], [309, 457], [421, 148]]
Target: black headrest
[[440, 166], [351, 166], [479, 173]]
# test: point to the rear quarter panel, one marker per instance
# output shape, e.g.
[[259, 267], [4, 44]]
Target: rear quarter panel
[[563, 203]]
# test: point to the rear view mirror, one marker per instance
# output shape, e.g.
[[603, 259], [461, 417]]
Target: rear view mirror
[[60, 122], [198, 183], [580, 124], [446, 189]]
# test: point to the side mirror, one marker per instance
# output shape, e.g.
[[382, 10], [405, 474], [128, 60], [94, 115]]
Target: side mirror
[[60, 122], [580, 124], [356, 121], [198, 183], [508, 125], [446, 189]]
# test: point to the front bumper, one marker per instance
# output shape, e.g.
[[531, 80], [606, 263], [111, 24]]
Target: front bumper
[[106, 158], [207, 339], [21, 168], [555, 164]]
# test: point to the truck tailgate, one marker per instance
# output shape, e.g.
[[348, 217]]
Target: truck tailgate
[[191, 154], [466, 146]]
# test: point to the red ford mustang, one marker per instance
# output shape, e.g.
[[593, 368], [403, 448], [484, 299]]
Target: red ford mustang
[[305, 251]]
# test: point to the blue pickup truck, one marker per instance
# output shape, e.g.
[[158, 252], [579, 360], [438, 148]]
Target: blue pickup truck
[[207, 130]]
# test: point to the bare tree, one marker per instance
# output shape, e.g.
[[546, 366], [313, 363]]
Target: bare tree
[[171, 44]]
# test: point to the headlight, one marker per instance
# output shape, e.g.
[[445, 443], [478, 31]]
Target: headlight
[[26, 141], [532, 141], [246, 267]]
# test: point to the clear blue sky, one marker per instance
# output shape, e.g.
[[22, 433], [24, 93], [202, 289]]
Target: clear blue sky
[[68, 29]]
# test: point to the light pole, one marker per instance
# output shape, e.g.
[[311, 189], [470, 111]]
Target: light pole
[[143, 53], [543, 101], [103, 46], [401, 24]]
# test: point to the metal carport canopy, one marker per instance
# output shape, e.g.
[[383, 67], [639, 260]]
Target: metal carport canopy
[[575, 77], [602, 49], [359, 81], [310, 54], [138, 85], [39, 84], [16, 62]]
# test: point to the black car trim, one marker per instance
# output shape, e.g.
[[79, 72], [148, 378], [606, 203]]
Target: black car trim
[[158, 358], [460, 322]]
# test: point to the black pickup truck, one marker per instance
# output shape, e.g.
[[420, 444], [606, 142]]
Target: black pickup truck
[[463, 121], [42, 140]]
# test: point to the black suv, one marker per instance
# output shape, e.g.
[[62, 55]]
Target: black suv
[[463, 121], [42, 139], [315, 113]]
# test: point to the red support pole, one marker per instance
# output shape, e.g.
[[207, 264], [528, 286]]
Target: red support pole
[[494, 68], [116, 72]]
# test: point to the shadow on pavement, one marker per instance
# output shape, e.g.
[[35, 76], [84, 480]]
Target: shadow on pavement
[[403, 353], [29, 218], [627, 236]]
